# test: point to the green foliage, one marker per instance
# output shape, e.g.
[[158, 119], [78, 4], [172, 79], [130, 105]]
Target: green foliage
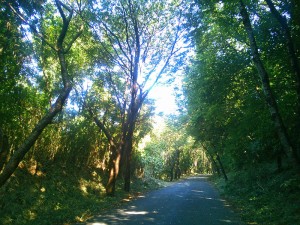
[[262, 196], [169, 152], [34, 200], [153, 159], [227, 111], [12, 52], [99, 65], [226, 106], [125, 48], [60, 195]]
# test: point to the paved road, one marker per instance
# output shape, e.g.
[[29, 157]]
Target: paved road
[[192, 201]]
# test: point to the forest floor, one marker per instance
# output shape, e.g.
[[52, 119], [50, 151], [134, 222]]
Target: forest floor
[[60, 196]]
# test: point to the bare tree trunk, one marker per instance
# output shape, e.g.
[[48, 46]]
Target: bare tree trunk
[[177, 168], [172, 173], [264, 76], [136, 104]]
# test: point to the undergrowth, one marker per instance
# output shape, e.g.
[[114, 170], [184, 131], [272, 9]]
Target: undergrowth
[[60, 197], [263, 196]]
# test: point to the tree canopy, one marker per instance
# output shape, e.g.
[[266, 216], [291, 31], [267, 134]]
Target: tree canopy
[[75, 78], [77, 66], [242, 86]]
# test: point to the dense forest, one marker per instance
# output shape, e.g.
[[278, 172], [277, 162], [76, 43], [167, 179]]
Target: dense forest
[[79, 131]]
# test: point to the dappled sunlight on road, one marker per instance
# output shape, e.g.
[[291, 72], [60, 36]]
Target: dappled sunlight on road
[[227, 221], [136, 213], [97, 224], [191, 201], [197, 177], [197, 191]]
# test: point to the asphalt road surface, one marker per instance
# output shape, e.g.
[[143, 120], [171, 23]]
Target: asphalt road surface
[[192, 201]]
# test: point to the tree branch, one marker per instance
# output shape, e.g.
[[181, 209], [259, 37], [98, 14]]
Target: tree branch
[[31, 27], [66, 22], [102, 127], [73, 40], [172, 52], [117, 39]]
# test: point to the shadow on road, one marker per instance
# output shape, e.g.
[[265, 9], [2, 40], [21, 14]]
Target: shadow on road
[[192, 201]]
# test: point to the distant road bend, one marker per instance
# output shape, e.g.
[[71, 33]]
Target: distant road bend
[[192, 201]]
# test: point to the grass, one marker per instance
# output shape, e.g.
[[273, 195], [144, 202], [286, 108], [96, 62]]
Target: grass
[[262, 196], [60, 197]]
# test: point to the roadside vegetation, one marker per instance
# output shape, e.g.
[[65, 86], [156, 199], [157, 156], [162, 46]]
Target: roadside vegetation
[[77, 127], [59, 192], [242, 92], [62, 196], [261, 195]]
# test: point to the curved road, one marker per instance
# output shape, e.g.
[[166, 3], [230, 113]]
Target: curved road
[[192, 201]]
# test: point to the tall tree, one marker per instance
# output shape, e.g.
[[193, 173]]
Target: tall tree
[[140, 43], [291, 46], [273, 107], [220, 104], [61, 48]]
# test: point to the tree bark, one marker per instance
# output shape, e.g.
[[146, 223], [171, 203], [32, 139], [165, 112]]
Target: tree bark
[[114, 163], [222, 168], [128, 132], [177, 166], [215, 165], [135, 106], [172, 173], [114, 159], [264, 76], [4, 149], [128, 151]]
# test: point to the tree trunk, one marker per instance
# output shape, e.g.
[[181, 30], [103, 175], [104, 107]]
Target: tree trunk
[[264, 76], [134, 108], [222, 168], [291, 47], [19, 154], [177, 169], [4, 149], [215, 165], [127, 154], [172, 173], [115, 157], [177, 172], [114, 163]]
